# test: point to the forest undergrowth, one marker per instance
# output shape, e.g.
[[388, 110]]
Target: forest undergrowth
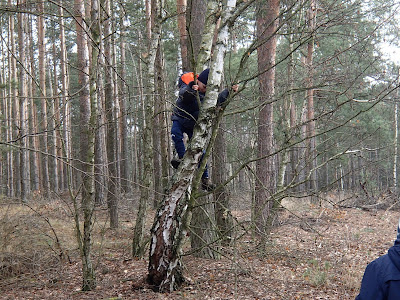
[[314, 252]]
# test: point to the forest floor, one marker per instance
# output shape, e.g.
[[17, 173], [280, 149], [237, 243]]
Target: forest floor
[[316, 252]]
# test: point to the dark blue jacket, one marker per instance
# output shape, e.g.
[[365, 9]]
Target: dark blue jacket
[[381, 279], [186, 109]]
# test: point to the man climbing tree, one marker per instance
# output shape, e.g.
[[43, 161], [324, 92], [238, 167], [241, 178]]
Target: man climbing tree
[[169, 228], [186, 112]]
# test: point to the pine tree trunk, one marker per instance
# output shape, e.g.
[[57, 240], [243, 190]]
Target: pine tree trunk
[[267, 16], [35, 141], [42, 82], [23, 107], [56, 125], [53, 162], [14, 183], [66, 130], [125, 161]]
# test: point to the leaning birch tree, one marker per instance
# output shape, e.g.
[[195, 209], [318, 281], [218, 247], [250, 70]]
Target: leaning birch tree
[[171, 221]]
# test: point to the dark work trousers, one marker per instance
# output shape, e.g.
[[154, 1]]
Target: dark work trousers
[[177, 132]]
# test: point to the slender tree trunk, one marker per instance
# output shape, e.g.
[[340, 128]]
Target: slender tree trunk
[[88, 104], [101, 161], [35, 141], [57, 124], [267, 14], [14, 183], [23, 105], [223, 214], [147, 176], [157, 172], [110, 106], [396, 138], [53, 165], [66, 130], [161, 157], [311, 147], [42, 83], [183, 37], [125, 161]]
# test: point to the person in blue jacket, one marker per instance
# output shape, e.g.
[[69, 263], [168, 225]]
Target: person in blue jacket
[[381, 280], [186, 112]]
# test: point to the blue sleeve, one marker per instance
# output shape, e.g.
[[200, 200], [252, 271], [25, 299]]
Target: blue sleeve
[[186, 93], [222, 97], [371, 285]]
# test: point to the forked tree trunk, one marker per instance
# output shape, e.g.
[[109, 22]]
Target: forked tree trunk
[[170, 225]]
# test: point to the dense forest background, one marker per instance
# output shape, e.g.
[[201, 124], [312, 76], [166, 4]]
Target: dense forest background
[[86, 96]]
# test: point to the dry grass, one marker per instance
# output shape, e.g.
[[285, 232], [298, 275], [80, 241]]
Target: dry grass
[[316, 253]]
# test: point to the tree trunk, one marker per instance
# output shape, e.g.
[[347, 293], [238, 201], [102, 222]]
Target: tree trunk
[[223, 214], [267, 14], [157, 130], [15, 183], [311, 147], [23, 106], [53, 165], [42, 83], [88, 104], [170, 225], [35, 141], [67, 148], [183, 37], [396, 139], [203, 234], [56, 125], [154, 39], [111, 119], [195, 19], [125, 161]]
